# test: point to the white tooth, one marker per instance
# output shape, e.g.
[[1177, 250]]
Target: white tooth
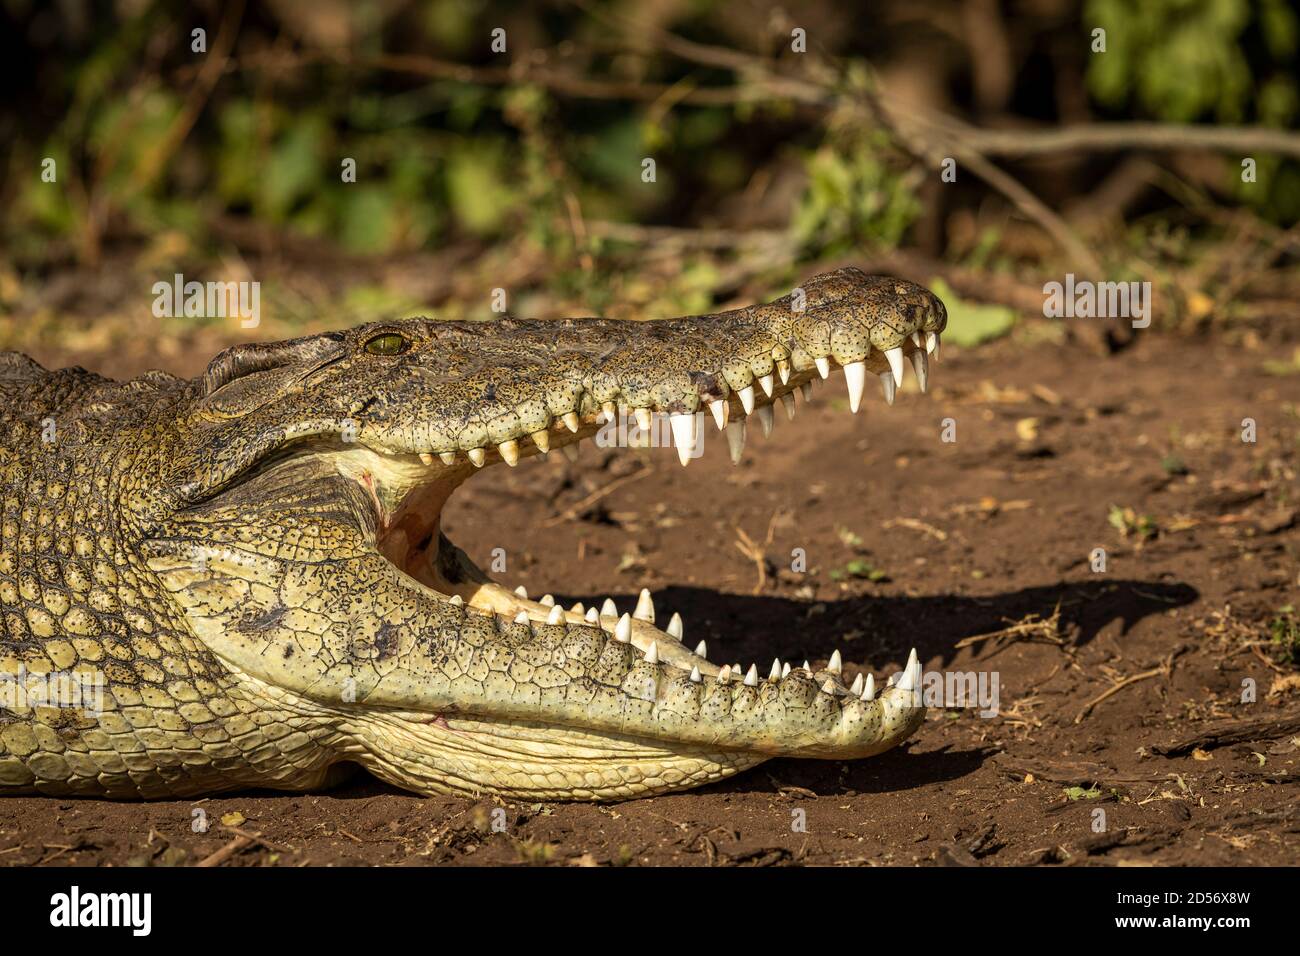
[[888, 384], [747, 399], [542, 439], [855, 377], [509, 452], [893, 678], [456, 599], [856, 689], [477, 456], [608, 609], [918, 340], [683, 425], [751, 676], [522, 592], [556, 615], [701, 649], [610, 411], [823, 366], [806, 391], [644, 419], [808, 667], [911, 673], [521, 617], [787, 402], [736, 668], [783, 370], [736, 441], [932, 344], [766, 419], [719, 408], [579, 608], [571, 421], [695, 675], [593, 616], [645, 607], [836, 664], [652, 654], [675, 626], [426, 458], [775, 672], [895, 358], [548, 599], [570, 452], [448, 457], [765, 382], [829, 687], [623, 629], [921, 366], [869, 689], [724, 675], [785, 670]]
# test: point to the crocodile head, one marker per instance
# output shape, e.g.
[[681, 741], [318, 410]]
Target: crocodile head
[[300, 536]]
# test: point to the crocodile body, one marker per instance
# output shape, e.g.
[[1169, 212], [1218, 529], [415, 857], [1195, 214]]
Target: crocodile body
[[240, 581]]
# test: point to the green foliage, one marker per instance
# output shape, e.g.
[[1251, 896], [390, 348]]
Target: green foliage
[[971, 324], [1284, 631]]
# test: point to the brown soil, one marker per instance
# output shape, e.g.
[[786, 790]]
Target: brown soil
[[988, 533]]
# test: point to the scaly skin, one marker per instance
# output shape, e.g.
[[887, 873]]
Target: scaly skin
[[251, 562]]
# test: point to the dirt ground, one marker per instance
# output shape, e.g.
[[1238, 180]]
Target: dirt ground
[[910, 540]]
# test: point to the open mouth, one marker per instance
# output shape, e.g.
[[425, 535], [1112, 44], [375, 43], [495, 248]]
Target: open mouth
[[409, 492]]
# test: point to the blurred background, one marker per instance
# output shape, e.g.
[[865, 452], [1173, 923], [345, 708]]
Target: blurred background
[[785, 140]]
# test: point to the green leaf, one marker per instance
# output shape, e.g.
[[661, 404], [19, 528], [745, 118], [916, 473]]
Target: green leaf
[[970, 324]]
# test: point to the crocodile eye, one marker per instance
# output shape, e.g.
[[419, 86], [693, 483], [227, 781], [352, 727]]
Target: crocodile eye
[[388, 343]]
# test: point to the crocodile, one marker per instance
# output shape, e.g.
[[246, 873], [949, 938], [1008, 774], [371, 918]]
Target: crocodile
[[240, 580]]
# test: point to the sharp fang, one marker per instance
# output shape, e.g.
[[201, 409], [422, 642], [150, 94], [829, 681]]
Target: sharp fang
[[556, 615], [542, 440], [652, 653], [548, 600], [456, 599], [751, 676], [787, 402], [578, 608], [623, 630], [869, 688], [644, 419], [747, 399], [775, 672], [808, 668], [856, 689], [724, 675], [477, 456], [783, 370], [765, 382], [806, 391], [683, 425], [736, 441], [765, 419], [675, 626], [593, 616], [570, 452], [509, 452], [911, 673], [823, 366], [522, 592], [571, 422], [448, 457], [932, 344], [609, 609], [695, 675], [918, 340], [426, 458], [836, 664], [921, 366], [785, 670], [889, 385], [829, 687], [701, 649], [521, 617], [895, 359], [855, 377], [719, 408], [645, 607]]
